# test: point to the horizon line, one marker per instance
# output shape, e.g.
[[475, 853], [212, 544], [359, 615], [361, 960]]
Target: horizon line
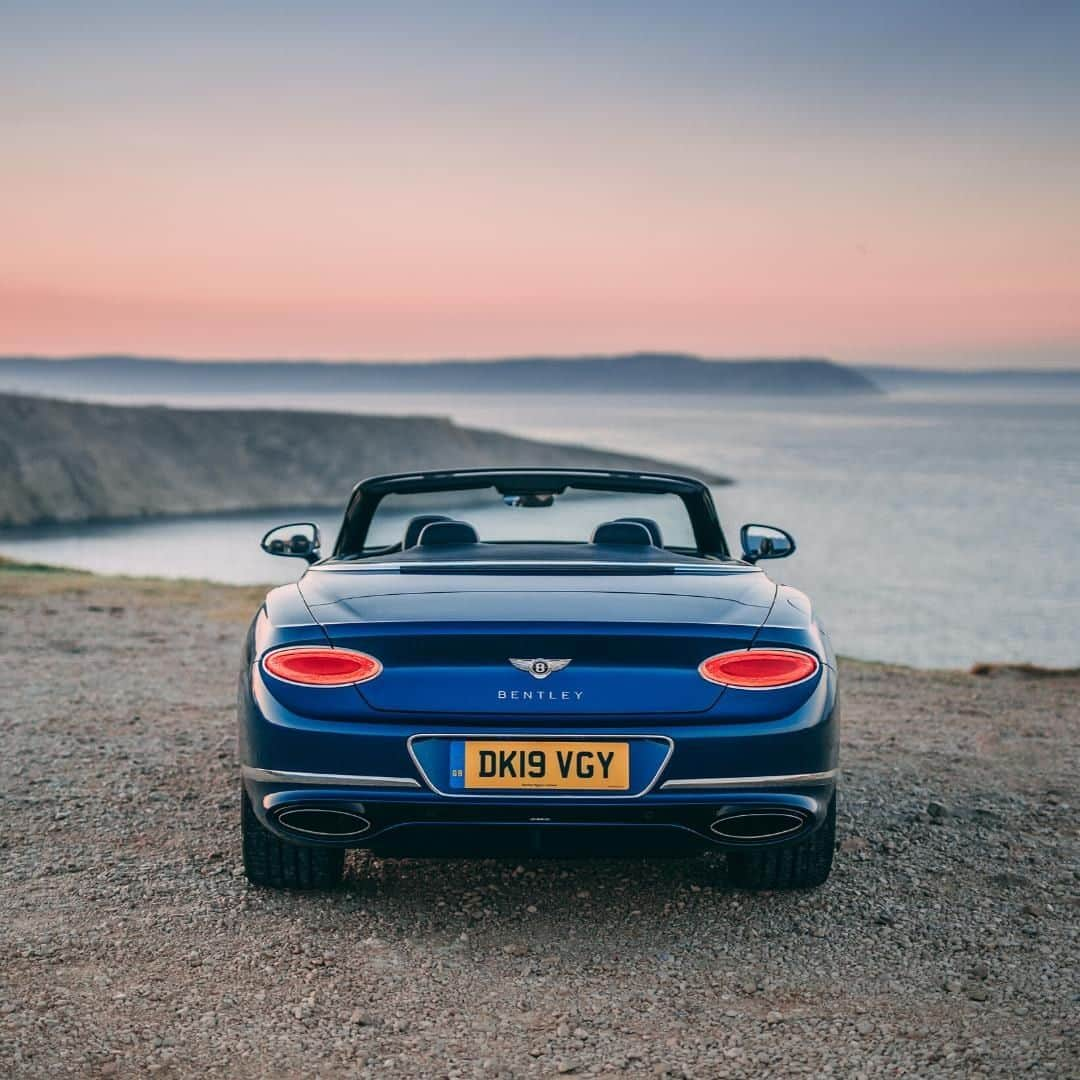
[[659, 354]]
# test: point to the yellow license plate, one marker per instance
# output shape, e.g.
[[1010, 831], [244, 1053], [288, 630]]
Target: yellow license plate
[[546, 766]]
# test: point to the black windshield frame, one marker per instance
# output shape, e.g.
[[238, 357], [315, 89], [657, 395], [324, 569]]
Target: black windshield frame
[[366, 496]]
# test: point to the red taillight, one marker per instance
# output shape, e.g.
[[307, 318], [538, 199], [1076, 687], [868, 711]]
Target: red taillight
[[315, 665], [759, 669]]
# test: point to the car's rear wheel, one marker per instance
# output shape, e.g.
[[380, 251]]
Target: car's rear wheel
[[277, 864], [801, 865]]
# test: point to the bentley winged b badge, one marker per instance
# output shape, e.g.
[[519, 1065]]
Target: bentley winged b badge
[[539, 668]]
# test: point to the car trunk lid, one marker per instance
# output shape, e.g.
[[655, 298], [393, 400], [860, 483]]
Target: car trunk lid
[[449, 648]]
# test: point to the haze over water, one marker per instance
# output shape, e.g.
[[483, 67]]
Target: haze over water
[[933, 530]]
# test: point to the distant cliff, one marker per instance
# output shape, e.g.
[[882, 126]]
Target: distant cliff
[[69, 462], [667, 373]]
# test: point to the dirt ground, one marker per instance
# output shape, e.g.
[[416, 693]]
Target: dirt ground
[[130, 943]]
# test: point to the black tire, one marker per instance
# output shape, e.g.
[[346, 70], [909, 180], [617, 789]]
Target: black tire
[[277, 864], [803, 865]]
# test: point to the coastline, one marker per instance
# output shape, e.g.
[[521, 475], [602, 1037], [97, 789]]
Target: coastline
[[88, 525], [45, 578]]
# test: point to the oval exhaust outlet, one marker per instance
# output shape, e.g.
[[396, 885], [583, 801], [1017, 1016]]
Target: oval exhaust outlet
[[325, 822], [758, 824]]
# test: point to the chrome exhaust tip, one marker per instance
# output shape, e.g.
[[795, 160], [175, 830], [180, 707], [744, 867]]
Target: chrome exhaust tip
[[324, 822], [749, 825]]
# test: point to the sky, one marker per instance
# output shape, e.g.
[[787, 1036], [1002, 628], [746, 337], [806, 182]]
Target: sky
[[877, 183]]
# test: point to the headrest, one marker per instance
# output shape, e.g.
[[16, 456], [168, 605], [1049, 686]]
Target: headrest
[[445, 533], [416, 526], [620, 532], [654, 530]]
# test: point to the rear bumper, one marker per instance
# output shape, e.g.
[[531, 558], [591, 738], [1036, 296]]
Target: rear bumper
[[426, 824], [713, 772]]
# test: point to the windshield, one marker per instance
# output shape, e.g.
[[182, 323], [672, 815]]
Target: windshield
[[570, 517]]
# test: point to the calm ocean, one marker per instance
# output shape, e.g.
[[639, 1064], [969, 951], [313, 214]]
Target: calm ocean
[[933, 530]]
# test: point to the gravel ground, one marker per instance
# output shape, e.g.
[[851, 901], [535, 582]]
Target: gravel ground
[[944, 944]]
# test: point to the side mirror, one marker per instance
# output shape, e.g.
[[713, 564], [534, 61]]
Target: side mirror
[[765, 542], [300, 540]]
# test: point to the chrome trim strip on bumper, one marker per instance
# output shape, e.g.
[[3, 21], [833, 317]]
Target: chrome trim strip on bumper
[[788, 780], [562, 795], [606, 564], [275, 776]]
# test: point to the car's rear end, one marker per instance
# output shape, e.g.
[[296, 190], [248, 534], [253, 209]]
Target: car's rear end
[[423, 709]]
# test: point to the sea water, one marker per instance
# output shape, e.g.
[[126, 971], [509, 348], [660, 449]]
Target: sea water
[[934, 529]]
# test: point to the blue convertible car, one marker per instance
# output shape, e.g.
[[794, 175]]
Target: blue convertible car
[[536, 659]]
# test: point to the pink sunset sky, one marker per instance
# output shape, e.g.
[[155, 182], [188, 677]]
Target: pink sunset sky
[[893, 183]]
